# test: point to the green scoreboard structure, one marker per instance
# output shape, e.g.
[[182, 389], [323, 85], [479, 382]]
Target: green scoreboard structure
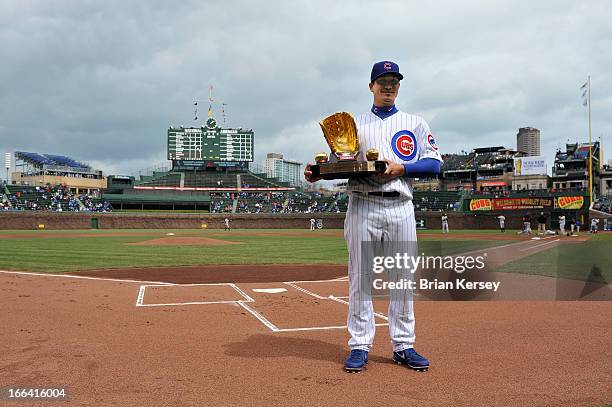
[[210, 146]]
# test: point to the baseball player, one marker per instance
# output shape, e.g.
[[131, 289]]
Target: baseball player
[[227, 224], [444, 223], [594, 225], [312, 224], [562, 224], [541, 224], [380, 209], [527, 224], [502, 223]]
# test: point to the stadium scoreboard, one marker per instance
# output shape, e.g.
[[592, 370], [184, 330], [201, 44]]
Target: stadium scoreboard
[[210, 144]]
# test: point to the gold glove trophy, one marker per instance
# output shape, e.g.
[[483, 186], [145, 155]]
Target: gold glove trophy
[[340, 133]]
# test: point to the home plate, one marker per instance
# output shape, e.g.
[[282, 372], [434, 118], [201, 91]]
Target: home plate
[[269, 290], [535, 238]]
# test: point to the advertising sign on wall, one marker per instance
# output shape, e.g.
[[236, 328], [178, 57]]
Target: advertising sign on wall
[[535, 165]]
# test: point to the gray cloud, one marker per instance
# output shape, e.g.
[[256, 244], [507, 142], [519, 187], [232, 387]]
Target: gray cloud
[[102, 81]]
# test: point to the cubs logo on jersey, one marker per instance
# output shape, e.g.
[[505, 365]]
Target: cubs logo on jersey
[[404, 145], [432, 141]]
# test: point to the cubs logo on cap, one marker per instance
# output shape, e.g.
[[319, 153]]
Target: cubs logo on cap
[[404, 145], [432, 141], [383, 68]]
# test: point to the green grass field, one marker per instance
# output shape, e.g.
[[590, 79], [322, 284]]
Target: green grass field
[[61, 252], [590, 260]]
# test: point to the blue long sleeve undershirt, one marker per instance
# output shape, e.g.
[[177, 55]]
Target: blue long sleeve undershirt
[[424, 168]]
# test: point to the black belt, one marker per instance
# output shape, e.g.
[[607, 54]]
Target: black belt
[[391, 194]]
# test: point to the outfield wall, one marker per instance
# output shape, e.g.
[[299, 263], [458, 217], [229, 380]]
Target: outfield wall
[[62, 220]]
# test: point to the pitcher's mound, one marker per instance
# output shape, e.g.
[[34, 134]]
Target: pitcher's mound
[[183, 241]]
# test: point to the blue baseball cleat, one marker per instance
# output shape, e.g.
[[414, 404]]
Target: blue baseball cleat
[[356, 361], [409, 357]]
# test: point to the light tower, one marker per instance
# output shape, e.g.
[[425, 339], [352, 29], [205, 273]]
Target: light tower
[[7, 164]]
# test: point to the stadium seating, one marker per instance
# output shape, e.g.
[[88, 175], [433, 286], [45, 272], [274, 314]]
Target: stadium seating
[[436, 200], [210, 180], [52, 199], [603, 204], [169, 179], [39, 160], [65, 161], [252, 180]]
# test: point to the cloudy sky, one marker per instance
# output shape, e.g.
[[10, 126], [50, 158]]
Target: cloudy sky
[[101, 81]]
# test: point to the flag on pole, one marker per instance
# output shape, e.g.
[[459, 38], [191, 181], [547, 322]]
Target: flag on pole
[[585, 91], [210, 100]]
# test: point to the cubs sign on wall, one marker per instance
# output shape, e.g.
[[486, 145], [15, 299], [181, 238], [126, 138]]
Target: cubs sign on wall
[[570, 202], [506, 204]]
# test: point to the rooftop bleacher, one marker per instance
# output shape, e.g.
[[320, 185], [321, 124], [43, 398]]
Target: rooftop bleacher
[[40, 160], [456, 162]]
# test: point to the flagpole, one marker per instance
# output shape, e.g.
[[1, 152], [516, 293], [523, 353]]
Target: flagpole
[[590, 147]]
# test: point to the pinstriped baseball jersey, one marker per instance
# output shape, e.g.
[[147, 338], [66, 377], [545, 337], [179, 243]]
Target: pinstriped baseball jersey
[[401, 138]]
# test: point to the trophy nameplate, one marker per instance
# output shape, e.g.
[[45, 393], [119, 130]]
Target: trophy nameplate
[[348, 169]]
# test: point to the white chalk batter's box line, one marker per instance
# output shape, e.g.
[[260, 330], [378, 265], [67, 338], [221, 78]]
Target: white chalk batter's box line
[[141, 294], [248, 299]]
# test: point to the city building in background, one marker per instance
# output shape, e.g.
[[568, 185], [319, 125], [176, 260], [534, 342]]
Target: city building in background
[[276, 166], [528, 141]]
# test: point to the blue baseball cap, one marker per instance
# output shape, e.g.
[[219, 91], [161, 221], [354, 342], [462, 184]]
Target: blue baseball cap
[[384, 67]]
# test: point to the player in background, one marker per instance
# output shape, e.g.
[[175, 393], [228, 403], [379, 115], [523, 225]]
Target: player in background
[[541, 224], [444, 223], [594, 225], [562, 224], [313, 223], [526, 225], [502, 223], [227, 224]]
